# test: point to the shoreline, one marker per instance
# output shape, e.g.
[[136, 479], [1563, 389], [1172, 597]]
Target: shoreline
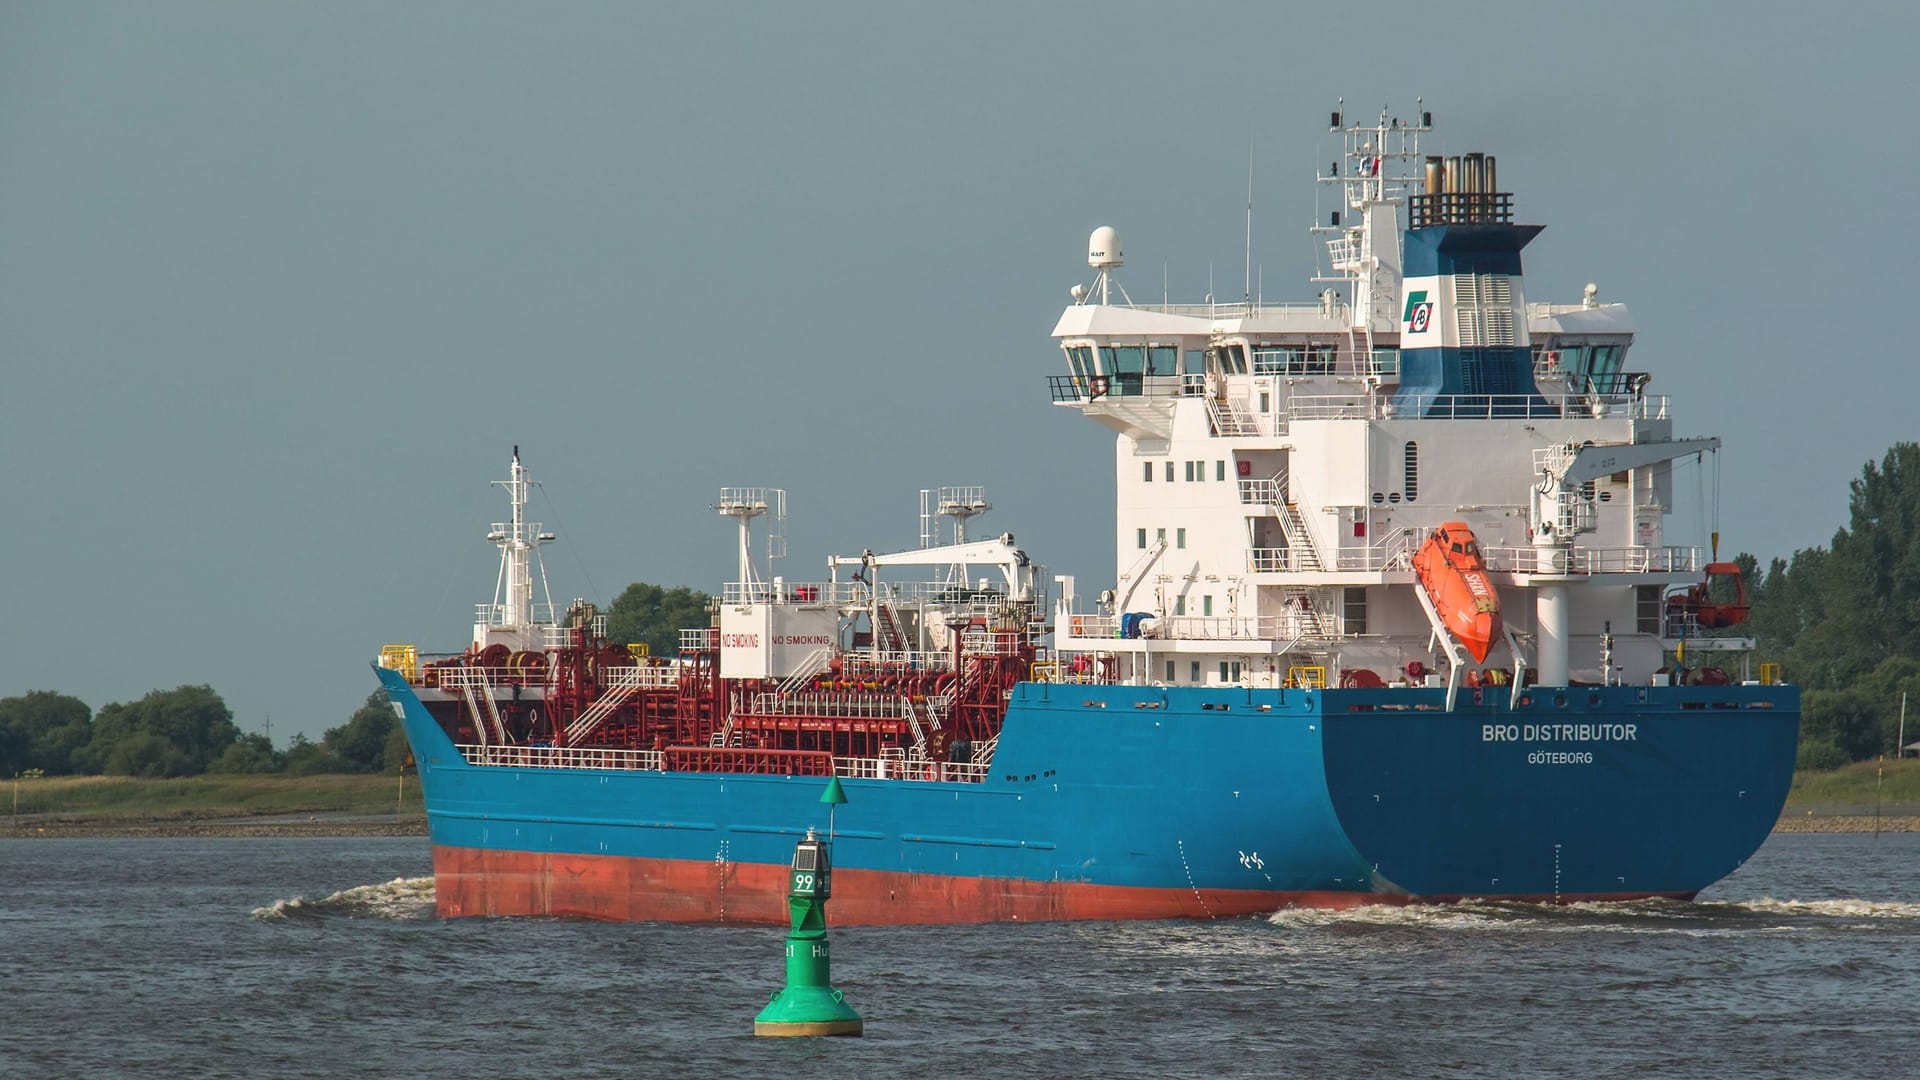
[[316, 825], [74, 828]]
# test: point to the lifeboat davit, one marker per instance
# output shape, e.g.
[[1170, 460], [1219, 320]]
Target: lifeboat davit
[[1455, 579]]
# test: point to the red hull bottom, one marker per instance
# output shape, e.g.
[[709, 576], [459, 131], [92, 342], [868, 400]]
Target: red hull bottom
[[475, 882]]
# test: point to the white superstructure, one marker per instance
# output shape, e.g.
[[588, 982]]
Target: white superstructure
[[1277, 465]]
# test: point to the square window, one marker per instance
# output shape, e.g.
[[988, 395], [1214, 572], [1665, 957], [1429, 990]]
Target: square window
[[1647, 608]]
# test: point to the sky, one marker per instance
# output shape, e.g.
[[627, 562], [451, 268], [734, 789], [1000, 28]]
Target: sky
[[282, 284]]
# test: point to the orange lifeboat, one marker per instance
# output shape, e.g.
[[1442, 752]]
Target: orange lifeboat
[[1455, 579]]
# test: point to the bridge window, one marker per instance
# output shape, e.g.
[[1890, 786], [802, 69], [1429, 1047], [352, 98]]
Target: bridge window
[[1147, 471], [1080, 360], [1229, 359], [1194, 672], [1124, 365], [1179, 608], [1180, 538], [1206, 605], [1196, 362], [1143, 537], [1219, 470], [1169, 671], [1356, 610], [1410, 467], [1162, 360]]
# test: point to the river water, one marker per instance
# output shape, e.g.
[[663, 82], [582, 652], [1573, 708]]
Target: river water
[[322, 957]]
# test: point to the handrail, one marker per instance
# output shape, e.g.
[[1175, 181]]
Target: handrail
[[731, 760]]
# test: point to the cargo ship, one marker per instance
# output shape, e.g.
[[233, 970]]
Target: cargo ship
[[1396, 620]]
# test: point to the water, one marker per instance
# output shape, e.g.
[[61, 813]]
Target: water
[[304, 957]]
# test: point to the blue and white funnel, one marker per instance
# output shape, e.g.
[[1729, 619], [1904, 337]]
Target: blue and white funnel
[[1463, 320]]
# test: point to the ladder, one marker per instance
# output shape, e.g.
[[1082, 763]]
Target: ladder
[[624, 682]]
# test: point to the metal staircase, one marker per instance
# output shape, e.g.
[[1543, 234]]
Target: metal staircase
[[618, 689], [473, 686]]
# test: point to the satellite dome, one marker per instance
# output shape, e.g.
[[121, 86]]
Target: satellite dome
[[1103, 248]]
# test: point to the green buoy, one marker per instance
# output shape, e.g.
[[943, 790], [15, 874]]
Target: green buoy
[[808, 1004]]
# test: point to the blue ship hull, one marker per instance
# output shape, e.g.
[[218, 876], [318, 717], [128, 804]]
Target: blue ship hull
[[1118, 801]]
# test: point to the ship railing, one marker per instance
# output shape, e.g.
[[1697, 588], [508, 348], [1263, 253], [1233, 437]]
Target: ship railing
[[1182, 627], [811, 592], [1260, 492], [725, 759], [642, 676], [749, 760], [559, 757], [1384, 364], [567, 637], [979, 641], [1392, 552], [1280, 560], [897, 767], [849, 706], [875, 662], [1218, 628], [851, 593], [1121, 385], [1591, 560], [496, 614], [1476, 407], [1234, 418], [1092, 626], [700, 639], [1234, 309]]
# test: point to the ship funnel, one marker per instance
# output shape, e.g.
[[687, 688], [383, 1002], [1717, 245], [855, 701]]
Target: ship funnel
[[1436, 180]]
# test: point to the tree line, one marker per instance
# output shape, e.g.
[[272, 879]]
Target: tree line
[[1843, 620], [186, 731]]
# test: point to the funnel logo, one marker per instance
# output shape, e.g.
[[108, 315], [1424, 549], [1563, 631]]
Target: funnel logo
[[1419, 313]]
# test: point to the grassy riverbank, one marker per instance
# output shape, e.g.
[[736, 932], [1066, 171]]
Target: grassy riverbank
[[1840, 800], [1855, 792], [228, 804]]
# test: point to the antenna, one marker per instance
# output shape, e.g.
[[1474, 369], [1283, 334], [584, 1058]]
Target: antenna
[[1246, 280]]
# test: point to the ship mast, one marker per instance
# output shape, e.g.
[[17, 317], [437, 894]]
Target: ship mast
[[512, 612], [1373, 174]]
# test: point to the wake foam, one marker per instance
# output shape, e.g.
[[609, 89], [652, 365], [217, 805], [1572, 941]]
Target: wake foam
[[401, 898], [1632, 916]]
